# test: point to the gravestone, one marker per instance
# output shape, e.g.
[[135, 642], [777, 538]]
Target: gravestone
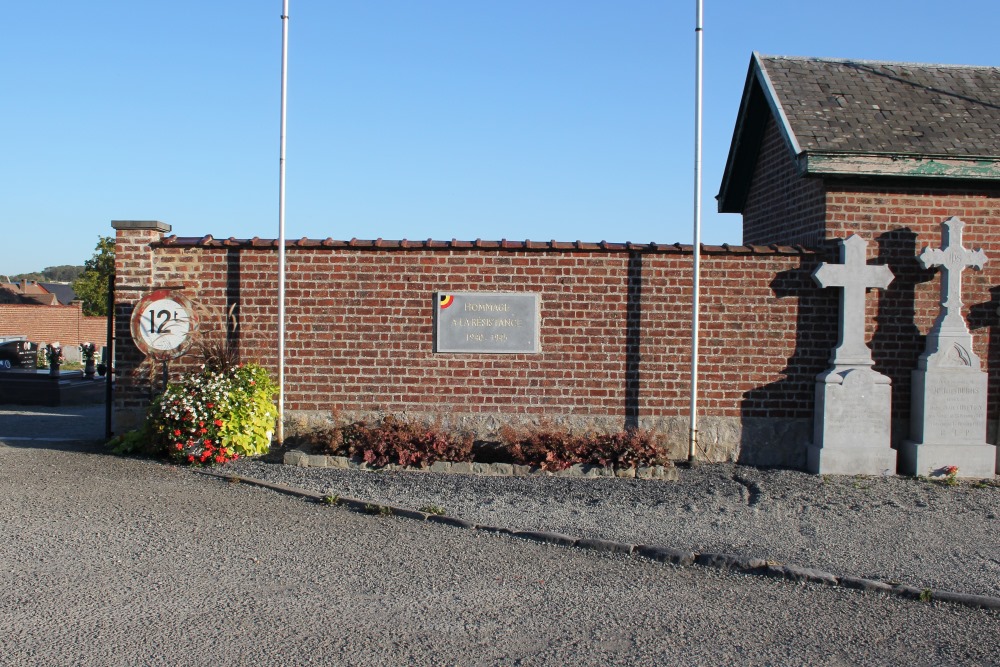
[[948, 404], [851, 426]]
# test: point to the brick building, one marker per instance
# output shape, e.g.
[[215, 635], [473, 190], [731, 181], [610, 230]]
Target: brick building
[[66, 325], [812, 159], [828, 148]]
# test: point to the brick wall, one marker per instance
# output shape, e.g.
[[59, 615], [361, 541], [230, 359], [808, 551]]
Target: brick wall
[[615, 334], [615, 324], [899, 222], [48, 324], [782, 206]]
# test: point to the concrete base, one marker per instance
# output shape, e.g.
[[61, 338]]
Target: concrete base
[[851, 461], [974, 461]]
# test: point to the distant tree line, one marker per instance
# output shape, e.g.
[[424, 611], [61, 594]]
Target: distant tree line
[[52, 274], [90, 282]]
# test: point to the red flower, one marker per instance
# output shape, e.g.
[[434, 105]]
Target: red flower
[[210, 405], [220, 459], [208, 442], [191, 458], [218, 422], [177, 431], [179, 446]]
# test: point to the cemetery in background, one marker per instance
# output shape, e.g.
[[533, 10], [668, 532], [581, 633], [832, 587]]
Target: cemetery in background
[[808, 168]]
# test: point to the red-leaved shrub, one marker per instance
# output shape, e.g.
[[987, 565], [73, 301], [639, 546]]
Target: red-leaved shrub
[[556, 448], [392, 440]]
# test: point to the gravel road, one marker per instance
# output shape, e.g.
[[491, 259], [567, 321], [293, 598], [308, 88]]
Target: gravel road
[[111, 561], [891, 529]]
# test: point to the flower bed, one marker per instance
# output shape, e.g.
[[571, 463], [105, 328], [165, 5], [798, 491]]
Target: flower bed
[[211, 417]]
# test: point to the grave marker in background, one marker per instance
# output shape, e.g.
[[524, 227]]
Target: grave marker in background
[[851, 426], [948, 405]]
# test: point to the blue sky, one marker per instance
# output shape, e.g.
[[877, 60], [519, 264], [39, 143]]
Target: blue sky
[[541, 119]]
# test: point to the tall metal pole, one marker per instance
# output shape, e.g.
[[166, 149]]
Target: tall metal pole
[[696, 305], [281, 227]]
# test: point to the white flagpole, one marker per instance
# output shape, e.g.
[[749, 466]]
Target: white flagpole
[[281, 228], [693, 440]]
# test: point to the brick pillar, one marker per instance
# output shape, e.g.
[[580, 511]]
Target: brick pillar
[[135, 275]]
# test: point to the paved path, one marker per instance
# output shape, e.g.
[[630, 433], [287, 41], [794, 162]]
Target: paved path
[[110, 561], [72, 422]]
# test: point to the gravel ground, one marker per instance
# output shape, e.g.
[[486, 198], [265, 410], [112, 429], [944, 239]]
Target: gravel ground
[[891, 529], [110, 561]]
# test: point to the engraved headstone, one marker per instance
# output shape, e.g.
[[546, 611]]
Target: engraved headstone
[[948, 404], [851, 427]]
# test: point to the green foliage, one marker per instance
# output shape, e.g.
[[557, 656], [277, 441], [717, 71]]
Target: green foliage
[[378, 510], [252, 412], [216, 415], [64, 273], [433, 509], [556, 448], [92, 285], [138, 442], [331, 499]]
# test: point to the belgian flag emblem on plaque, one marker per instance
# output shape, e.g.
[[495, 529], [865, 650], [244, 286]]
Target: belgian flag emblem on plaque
[[445, 300]]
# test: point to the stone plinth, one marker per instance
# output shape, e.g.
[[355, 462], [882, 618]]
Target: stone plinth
[[852, 427], [948, 409], [948, 424]]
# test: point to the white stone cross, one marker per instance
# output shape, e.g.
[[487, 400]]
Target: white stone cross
[[953, 259], [854, 276]]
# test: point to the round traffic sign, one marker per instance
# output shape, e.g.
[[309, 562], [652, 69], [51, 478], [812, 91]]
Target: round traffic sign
[[163, 324]]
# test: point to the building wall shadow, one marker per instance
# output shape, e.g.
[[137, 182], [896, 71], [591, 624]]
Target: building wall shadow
[[897, 342], [633, 340], [986, 316], [776, 418]]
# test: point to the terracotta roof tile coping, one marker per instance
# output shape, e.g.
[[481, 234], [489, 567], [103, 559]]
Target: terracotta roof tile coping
[[208, 241]]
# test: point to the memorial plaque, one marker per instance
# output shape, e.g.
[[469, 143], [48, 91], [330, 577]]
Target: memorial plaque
[[486, 322]]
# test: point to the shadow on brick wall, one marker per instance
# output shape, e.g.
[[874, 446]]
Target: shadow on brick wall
[[633, 340], [982, 317], [233, 281], [897, 342], [776, 418]]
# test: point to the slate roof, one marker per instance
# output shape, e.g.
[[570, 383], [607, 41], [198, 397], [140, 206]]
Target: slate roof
[[883, 107], [868, 118], [63, 291]]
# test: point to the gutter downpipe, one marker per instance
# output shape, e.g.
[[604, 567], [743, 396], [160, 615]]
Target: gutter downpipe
[[696, 279], [280, 431]]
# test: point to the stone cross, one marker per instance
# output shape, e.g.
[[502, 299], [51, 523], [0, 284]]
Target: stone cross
[[854, 276], [953, 259]]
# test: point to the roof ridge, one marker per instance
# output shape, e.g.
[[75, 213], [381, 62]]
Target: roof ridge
[[866, 61]]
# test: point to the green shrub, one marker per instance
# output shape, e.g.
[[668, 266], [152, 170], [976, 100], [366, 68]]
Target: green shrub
[[216, 415], [136, 442]]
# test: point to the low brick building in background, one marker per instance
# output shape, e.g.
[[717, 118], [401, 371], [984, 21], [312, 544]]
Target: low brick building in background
[[66, 325], [822, 149]]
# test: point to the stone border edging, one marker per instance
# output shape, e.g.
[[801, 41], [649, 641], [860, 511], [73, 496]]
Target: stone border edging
[[300, 459], [679, 557]]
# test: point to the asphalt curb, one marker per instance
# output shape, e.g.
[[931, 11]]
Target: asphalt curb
[[663, 554]]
